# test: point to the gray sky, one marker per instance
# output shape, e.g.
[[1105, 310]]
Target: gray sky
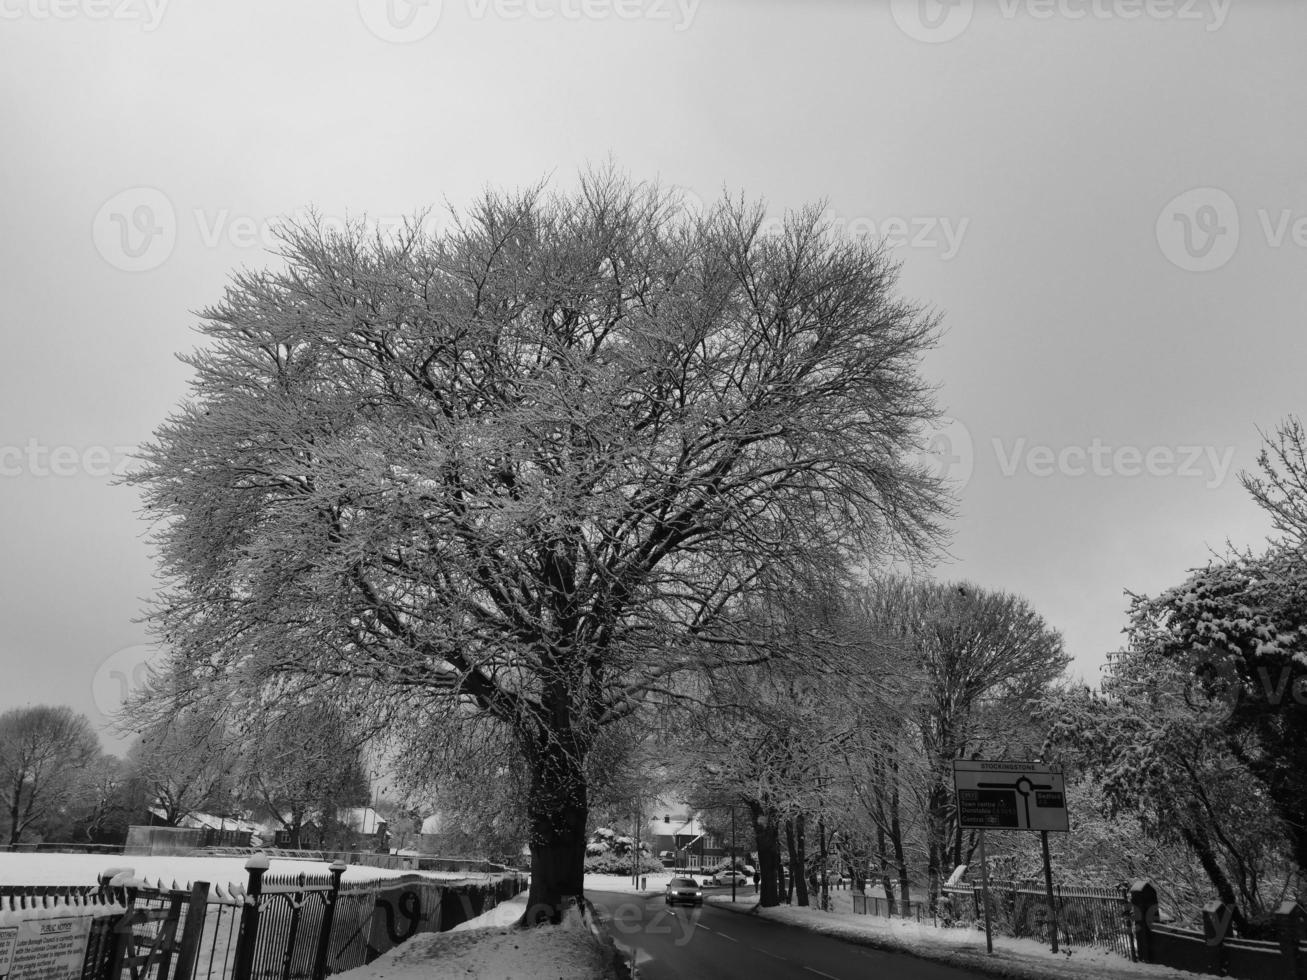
[[1104, 198]]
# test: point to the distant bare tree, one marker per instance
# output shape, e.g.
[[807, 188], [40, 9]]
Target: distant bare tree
[[532, 463], [185, 764], [299, 760], [46, 755]]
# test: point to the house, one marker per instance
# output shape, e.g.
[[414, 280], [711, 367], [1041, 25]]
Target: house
[[680, 839]]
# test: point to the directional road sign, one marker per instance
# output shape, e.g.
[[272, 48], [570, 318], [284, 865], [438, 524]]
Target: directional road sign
[[1010, 795]]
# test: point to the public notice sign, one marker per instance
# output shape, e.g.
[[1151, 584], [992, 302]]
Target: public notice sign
[[1010, 796], [43, 948]]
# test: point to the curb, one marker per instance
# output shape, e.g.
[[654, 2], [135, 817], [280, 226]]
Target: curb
[[619, 966]]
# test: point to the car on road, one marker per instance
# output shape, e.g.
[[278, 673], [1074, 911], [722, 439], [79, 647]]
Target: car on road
[[726, 877], [683, 891]]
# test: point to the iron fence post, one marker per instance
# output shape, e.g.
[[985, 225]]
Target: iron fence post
[[123, 937], [328, 920], [194, 929], [257, 866], [296, 907]]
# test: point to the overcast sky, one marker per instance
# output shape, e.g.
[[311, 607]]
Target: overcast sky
[[1106, 200]]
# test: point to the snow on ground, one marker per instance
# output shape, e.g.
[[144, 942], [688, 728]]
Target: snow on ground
[[622, 883], [485, 947], [489, 948], [84, 869], [960, 947]]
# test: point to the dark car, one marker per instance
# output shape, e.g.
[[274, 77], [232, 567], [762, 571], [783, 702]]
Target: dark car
[[686, 891]]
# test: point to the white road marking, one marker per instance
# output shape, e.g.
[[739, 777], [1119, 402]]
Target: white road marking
[[724, 936], [775, 956], [820, 974]]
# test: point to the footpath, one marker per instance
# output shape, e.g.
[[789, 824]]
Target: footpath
[[1021, 959]]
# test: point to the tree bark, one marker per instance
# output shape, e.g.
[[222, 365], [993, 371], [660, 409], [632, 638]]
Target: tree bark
[[823, 854], [556, 811], [768, 844], [938, 842], [882, 857], [796, 878], [896, 839], [1225, 892]]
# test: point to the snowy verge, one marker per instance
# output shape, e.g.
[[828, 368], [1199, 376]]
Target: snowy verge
[[486, 948], [1023, 959]]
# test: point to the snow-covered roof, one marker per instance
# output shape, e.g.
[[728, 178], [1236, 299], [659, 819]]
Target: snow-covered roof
[[362, 819], [209, 821]]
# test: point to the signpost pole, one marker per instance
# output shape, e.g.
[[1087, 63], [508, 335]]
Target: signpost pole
[[1048, 886], [984, 894]]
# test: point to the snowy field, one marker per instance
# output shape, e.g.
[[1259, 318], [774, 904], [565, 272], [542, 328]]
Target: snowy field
[[84, 869], [965, 948]]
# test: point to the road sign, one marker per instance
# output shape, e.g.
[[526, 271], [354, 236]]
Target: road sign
[[1010, 795]]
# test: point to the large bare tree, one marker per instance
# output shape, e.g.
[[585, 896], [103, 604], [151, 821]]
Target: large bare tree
[[46, 759], [530, 463]]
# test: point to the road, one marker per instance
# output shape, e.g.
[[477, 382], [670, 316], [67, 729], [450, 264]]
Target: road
[[687, 944]]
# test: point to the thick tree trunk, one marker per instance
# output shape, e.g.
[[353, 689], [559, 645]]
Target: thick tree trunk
[[882, 858], [1202, 847], [896, 839], [556, 811], [796, 878], [937, 843], [823, 856], [769, 855]]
